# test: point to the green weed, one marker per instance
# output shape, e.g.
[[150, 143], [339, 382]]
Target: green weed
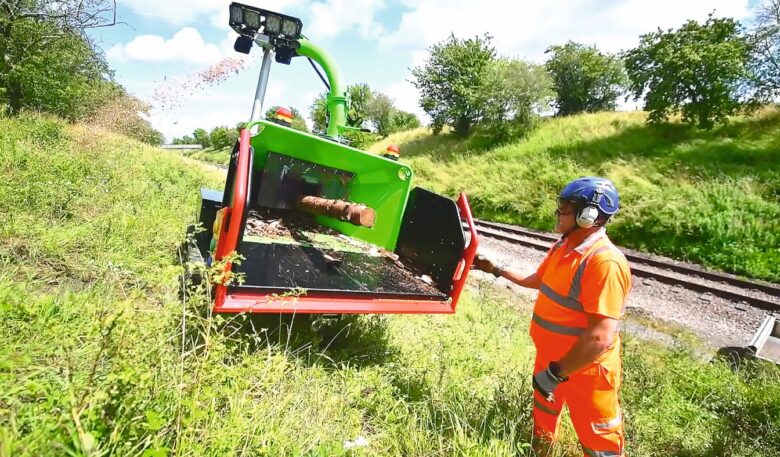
[[706, 196], [100, 356]]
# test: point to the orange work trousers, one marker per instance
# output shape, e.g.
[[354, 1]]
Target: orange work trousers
[[592, 397]]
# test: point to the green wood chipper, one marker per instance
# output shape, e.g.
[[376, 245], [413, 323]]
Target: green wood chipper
[[322, 227]]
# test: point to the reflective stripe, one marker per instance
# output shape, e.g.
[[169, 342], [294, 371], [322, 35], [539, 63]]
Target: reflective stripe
[[544, 408], [557, 328], [606, 425], [560, 299], [593, 453], [576, 283]]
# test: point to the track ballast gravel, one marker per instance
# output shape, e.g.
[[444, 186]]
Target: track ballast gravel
[[716, 321]]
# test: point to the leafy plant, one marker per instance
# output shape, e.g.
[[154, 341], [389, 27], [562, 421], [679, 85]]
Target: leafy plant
[[452, 82], [696, 70], [585, 80]]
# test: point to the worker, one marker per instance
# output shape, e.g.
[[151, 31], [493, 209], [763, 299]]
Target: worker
[[392, 152], [583, 282]]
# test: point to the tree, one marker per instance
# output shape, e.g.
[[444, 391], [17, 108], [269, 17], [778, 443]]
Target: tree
[[514, 93], [186, 139], [232, 136], [386, 118], [297, 123], [697, 70], [452, 80], [584, 79], [47, 61], [319, 113], [403, 120], [219, 137], [359, 97], [202, 137], [764, 40]]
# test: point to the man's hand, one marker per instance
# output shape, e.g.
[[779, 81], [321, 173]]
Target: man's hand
[[547, 380], [483, 263]]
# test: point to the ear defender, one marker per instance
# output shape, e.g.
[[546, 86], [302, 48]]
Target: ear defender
[[586, 218]]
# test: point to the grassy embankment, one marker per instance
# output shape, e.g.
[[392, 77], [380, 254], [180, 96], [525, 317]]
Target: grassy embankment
[[220, 156], [709, 197], [99, 357]]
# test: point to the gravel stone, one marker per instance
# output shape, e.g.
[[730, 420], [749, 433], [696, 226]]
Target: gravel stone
[[716, 321]]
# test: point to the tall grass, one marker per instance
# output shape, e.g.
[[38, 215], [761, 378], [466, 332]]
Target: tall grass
[[100, 356], [710, 197]]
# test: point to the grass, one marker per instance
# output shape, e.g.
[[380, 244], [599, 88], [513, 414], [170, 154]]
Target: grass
[[99, 356], [220, 156], [708, 197]]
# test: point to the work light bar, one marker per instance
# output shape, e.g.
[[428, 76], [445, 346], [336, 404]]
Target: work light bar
[[248, 21]]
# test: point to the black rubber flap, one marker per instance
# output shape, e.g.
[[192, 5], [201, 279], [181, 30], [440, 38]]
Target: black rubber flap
[[280, 267], [431, 237]]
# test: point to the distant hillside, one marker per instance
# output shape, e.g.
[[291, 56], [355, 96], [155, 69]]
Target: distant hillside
[[710, 197]]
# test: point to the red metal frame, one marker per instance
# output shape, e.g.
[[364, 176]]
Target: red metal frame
[[240, 302]]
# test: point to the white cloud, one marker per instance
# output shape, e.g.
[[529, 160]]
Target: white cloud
[[185, 46], [180, 12], [333, 17], [174, 11], [406, 98], [527, 28]]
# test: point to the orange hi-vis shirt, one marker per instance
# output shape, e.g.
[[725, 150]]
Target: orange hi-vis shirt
[[592, 278]]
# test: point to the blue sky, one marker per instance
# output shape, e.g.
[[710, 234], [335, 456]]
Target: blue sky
[[163, 44]]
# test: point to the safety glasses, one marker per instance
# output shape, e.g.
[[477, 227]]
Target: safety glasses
[[565, 207]]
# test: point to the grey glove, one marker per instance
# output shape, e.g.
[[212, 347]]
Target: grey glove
[[547, 380]]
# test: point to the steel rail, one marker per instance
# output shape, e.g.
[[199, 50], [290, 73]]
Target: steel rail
[[639, 266]]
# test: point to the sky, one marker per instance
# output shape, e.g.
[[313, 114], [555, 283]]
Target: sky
[[162, 49]]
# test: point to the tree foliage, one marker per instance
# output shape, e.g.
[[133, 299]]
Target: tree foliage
[[514, 93], [202, 137], [359, 97], [402, 120], [186, 139], [452, 82], [764, 40], [47, 62], [219, 137], [386, 118], [319, 112], [698, 70], [298, 123], [585, 80], [365, 106]]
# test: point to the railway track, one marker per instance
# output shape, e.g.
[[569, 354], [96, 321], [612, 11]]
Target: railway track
[[758, 294]]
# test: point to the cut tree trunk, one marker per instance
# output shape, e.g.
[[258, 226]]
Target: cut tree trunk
[[355, 213]]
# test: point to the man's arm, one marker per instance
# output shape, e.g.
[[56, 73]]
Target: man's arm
[[532, 281], [597, 338]]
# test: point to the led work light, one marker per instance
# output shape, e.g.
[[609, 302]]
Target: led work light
[[273, 24], [248, 20], [252, 19]]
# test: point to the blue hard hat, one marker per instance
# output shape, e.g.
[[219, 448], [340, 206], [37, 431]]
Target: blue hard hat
[[593, 191]]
